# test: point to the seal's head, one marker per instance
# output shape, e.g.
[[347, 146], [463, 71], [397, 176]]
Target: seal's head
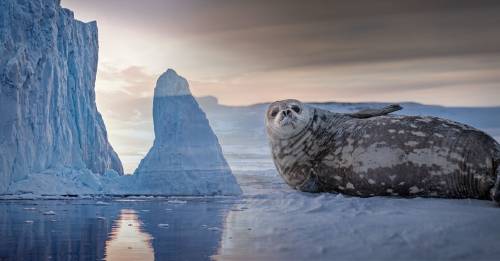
[[285, 119]]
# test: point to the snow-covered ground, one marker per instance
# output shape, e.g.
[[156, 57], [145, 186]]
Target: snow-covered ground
[[274, 222]]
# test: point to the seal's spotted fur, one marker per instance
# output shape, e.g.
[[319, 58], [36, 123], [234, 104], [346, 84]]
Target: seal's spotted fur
[[371, 153]]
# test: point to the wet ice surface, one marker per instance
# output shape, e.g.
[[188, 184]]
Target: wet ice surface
[[164, 229]]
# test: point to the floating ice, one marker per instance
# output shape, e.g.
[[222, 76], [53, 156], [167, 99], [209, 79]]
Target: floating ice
[[49, 121], [186, 158]]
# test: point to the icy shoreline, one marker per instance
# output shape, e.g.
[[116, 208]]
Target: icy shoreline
[[88, 185]]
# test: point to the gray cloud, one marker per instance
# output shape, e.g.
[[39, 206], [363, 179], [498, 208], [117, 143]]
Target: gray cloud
[[277, 34]]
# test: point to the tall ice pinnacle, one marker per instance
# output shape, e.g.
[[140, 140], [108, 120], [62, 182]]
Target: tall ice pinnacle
[[186, 158]]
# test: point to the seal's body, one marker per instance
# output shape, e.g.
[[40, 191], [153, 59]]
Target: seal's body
[[374, 154]]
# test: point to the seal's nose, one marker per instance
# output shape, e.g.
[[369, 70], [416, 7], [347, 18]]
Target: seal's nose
[[287, 112]]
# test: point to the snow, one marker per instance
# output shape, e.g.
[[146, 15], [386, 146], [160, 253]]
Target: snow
[[48, 114], [274, 222], [186, 158]]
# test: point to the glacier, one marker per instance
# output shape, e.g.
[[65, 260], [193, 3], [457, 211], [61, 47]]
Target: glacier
[[50, 128], [186, 158]]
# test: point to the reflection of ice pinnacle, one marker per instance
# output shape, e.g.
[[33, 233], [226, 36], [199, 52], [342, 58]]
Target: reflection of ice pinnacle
[[171, 84]]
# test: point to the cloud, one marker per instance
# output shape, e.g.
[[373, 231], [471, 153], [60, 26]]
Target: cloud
[[131, 81], [268, 35], [217, 44]]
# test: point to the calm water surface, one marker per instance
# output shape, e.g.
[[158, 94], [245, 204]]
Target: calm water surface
[[174, 229]]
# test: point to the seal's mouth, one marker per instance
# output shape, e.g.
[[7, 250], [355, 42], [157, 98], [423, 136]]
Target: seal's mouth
[[287, 120]]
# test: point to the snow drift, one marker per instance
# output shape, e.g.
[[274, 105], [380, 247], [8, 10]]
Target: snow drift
[[186, 158], [49, 123]]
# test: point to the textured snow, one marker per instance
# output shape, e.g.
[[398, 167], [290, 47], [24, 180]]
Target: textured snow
[[274, 222], [186, 158], [49, 123]]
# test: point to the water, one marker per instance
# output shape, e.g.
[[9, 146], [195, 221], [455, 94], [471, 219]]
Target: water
[[181, 229]]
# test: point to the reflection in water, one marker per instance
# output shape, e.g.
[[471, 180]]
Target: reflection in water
[[127, 241], [88, 230]]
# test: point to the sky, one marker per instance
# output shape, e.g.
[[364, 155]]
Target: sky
[[245, 52]]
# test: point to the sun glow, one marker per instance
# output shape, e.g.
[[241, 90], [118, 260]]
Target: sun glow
[[127, 240]]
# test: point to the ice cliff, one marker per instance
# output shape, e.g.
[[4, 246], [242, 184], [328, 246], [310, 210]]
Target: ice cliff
[[49, 123], [186, 158]]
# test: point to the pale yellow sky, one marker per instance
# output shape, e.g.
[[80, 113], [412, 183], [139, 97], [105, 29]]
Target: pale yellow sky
[[245, 52]]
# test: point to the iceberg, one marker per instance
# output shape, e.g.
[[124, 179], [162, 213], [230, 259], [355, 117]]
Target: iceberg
[[186, 158], [50, 128]]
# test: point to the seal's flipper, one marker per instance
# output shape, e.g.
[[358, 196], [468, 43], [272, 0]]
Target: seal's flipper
[[495, 191], [311, 184], [368, 113]]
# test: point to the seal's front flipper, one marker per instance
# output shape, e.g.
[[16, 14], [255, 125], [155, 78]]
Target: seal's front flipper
[[495, 191], [368, 113], [311, 184]]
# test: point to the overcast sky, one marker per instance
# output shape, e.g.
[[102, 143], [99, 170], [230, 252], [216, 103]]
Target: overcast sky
[[243, 52]]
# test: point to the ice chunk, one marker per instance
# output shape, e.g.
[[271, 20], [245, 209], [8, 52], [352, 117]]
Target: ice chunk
[[186, 158], [48, 113]]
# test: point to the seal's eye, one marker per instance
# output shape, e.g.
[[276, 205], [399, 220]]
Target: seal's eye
[[296, 108], [274, 112]]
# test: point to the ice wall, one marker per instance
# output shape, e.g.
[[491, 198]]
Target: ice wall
[[48, 115], [186, 158]]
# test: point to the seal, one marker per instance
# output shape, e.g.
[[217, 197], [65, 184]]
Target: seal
[[375, 153]]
